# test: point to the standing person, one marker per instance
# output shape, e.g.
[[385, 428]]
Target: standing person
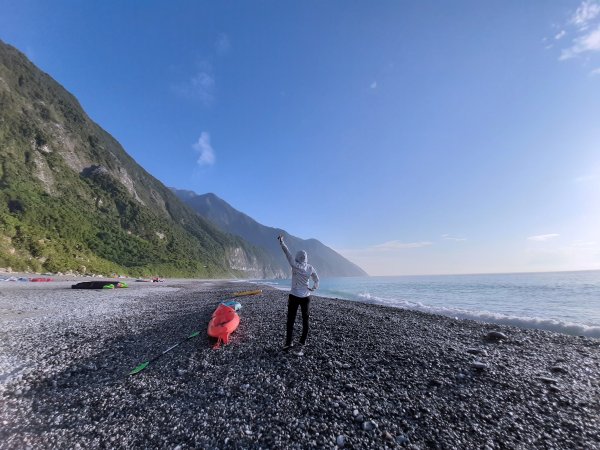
[[300, 293]]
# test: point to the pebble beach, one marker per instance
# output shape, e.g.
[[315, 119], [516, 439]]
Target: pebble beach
[[371, 376]]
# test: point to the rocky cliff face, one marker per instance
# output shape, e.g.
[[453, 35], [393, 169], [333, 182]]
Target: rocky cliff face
[[72, 199]]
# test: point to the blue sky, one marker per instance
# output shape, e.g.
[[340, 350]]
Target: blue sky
[[413, 137]]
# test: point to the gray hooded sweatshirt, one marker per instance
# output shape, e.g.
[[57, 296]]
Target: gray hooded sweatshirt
[[301, 272]]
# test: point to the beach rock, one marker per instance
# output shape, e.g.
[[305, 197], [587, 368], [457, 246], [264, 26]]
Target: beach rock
[[477, 351], [495, 336], [387, 436], [558, 369], [369, 425], [401, 439], [478, 365], [547, 380], [340, 441]]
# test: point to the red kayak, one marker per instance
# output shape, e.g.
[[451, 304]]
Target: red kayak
[[224, 322], [41, 280]]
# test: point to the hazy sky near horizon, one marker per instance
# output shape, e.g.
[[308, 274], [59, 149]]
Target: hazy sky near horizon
[[413, 137]]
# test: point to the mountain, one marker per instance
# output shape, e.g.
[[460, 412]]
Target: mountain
[[327, 262], [72, 199]]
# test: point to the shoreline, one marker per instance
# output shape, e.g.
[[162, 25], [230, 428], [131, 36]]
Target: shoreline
[[576, 326], [372, 376]]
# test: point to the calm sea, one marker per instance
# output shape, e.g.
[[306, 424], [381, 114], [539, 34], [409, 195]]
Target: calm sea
[[566, 302]]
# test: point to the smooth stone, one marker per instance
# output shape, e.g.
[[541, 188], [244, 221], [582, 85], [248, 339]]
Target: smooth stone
[[558, 369], [340, 441], [477, 351], [548, 380], [369, 425], [401, 439], [495, 336], [479, 365]]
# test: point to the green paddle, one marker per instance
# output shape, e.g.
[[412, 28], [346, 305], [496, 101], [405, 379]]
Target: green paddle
[[143, 365]]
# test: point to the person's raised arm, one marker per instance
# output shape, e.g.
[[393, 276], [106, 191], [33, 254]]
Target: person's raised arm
[[286, 250]]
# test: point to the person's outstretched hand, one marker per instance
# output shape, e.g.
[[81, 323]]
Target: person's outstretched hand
[[280, 238]]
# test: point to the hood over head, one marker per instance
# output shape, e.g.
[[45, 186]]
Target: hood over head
[[301, 257]]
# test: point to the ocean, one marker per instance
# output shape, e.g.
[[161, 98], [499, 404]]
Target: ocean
[[565, 302]]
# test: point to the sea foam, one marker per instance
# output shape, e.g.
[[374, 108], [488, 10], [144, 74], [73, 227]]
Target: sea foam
[[558, 326]]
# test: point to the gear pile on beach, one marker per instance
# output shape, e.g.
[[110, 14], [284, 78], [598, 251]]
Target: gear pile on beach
[[370, 377]]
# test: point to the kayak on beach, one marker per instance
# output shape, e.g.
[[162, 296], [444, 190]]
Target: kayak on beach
[[100, 285], [224, 322]]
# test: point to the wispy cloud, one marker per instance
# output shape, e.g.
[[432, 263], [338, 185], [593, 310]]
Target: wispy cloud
[[206, 154], [584, 244], [543, 237], [200, 86], [595, 72], [587, 43], [447, 237], [398, 245], [585, 13], [584, 25], [584, 178], [222, 44], [374, 85]]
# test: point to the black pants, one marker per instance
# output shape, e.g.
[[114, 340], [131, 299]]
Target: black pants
[[293, 304]]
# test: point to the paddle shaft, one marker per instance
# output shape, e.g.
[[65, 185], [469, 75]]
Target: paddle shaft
[[133, 372]]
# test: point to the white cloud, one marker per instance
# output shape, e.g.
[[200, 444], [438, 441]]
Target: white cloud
[[223, 44], [206, 154], [201, 86], [585, 13], [543, 237], [584, 244], [595, 72], [560, 35], [374, 85], [397, 245], [587, 43], [447, 237]]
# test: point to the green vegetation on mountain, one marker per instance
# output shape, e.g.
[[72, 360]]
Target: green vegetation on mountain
[[71, 199]]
